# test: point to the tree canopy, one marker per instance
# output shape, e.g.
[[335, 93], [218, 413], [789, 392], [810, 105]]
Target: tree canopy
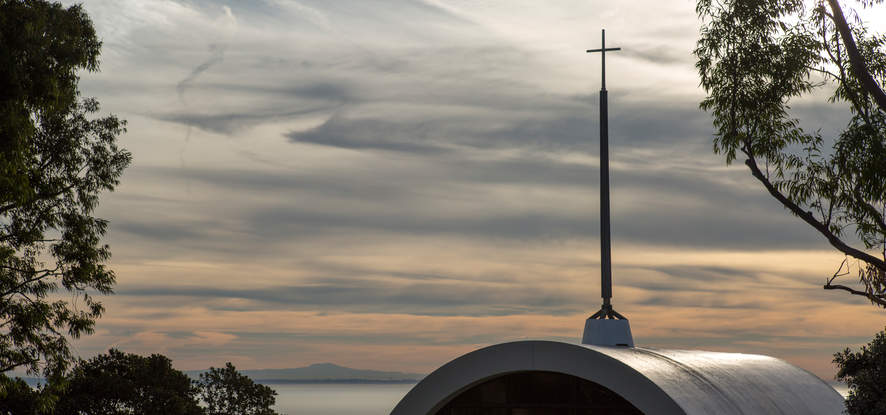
[[863, 372], [55, 160], [228, 392], [755, 57], [18, 398], [120, 383]]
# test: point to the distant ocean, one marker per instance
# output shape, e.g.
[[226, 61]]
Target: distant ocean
[[339, 398]]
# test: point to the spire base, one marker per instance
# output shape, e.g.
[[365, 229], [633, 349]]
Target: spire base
[[607, 328], [607, 312]]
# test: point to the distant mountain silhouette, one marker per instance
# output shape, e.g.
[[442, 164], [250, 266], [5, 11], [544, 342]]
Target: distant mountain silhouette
[[323, 373]]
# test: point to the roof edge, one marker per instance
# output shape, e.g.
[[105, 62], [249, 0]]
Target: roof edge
[[442, 385]]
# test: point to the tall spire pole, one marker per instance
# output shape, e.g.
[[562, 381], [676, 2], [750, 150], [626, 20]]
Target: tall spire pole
[[606, 310]]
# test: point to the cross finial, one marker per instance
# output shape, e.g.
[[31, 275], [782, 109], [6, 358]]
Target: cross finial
[[602, 51]]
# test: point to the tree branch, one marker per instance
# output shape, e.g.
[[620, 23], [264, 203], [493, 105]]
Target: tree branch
[[14, 365], [878, 299], [808, 218], [45, 196], [823, 72], [45, 273], [838, 60], [859, 68]]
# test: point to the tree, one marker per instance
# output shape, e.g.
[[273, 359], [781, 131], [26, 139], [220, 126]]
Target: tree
[[228, 392], [18, 398], [754, 58], [863, 371], [55, 160], [120, 383]]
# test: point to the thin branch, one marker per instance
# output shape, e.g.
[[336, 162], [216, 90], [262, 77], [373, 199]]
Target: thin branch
[[830, 211], [845, 263], [809, 218], [823, 72], [13, 365], [859, 68], [878, 299], [51, 195], [46, 273]]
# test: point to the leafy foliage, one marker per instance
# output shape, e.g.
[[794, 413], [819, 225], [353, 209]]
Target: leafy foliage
[[864, 372], [228, 392], [18, 398], [754, 58], [120, 383], [55, 160]]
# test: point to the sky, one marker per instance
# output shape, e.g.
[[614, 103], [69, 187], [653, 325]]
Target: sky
[[391, 184]]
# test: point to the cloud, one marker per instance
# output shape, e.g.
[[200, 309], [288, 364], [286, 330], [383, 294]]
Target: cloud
[[313, 15], [157, 231], [658, 54], [484, 287], [366, 135], [379, 295], [636, 125], [152, 341], [233, 122], [216, 56], [509, 198]]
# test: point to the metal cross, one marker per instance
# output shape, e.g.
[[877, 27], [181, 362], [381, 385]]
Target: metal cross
[[605, 241], [602, 51]]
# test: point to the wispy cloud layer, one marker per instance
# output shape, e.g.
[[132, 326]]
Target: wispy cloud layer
[[404, 181]]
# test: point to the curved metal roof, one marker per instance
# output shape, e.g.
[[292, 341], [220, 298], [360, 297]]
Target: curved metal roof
[[665, 382]]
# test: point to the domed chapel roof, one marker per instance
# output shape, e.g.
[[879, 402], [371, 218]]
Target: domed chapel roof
[[654, 381]]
